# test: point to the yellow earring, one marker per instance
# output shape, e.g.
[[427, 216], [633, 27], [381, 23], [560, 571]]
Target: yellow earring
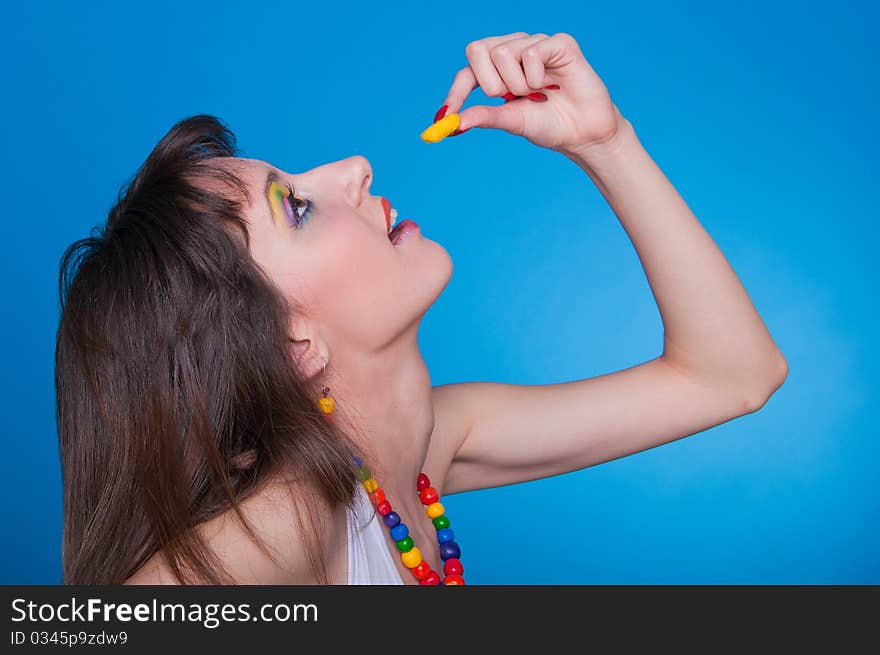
[[326, 403]]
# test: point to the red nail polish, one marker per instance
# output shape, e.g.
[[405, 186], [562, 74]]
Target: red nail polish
[[537, 96], [457, 132], [509, 96], [440, 113], [552, 86]]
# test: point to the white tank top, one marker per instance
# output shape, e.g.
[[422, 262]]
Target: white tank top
[[369, 560]]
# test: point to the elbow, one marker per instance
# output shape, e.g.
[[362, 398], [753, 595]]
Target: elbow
[[758, 395]]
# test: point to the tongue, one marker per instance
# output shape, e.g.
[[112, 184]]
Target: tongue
[[393, 233]]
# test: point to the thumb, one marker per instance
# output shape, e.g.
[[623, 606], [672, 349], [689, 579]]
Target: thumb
[[507, 117]]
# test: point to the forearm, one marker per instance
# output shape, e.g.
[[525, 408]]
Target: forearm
[[711, 328]]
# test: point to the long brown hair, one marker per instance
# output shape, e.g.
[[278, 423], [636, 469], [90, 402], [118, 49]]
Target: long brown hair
[[177, 397]]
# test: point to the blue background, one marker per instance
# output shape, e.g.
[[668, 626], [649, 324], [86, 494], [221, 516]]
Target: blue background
[[759, 114]]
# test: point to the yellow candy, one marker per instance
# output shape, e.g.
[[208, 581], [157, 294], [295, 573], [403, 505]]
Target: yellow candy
[[442, 128], [434, 510], [371, 485], [411, 558]]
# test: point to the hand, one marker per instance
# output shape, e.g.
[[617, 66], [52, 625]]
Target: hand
[[576, 116]]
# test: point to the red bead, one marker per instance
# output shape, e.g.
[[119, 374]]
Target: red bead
[[454, 579], [383, 508], [429, 495], [422, 482], [453, 566], [433, 578], [377, 496], [422, 571]]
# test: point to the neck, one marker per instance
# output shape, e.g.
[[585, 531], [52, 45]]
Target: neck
[[385, 398]]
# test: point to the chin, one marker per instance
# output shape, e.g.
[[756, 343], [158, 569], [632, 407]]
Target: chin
[[428, 271], [440, 269]]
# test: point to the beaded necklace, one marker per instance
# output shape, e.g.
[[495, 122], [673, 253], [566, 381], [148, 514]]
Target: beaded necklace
[[410, 555]]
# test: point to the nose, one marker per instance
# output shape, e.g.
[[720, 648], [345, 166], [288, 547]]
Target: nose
[[359, 175]]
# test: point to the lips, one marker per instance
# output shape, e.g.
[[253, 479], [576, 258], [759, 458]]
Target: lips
[[386, 205], [402, 230]]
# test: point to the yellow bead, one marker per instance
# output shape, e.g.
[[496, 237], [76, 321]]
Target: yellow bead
[[326, 404], [371, 485], [434, 510], [411, 558], [442, 128]]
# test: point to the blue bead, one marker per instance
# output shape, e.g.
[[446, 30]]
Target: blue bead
[[399, 532], [357, 460], [444, 535], [449, 549], [391, 519]]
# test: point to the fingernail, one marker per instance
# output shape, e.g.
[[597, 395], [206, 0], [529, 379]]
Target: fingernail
[[440, 113], [510, 96], [552, 86], [537, 96], [457, 132]]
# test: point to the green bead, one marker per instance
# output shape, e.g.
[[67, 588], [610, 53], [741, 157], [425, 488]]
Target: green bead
[[404, 544], [364, 473], [440, 522]]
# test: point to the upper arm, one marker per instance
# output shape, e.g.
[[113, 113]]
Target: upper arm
[[499, 434]]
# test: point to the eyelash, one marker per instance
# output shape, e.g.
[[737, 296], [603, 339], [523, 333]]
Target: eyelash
[[295, 203]]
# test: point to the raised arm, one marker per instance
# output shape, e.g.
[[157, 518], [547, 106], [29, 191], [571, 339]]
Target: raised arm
[[711, 329], [719, 361]]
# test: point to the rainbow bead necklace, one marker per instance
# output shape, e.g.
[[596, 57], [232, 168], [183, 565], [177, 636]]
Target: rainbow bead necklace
[[409, 552]]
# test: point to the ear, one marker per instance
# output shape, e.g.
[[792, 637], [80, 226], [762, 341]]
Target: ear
[[307, 350]]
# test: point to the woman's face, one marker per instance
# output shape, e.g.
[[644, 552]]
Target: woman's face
[[326, 247]]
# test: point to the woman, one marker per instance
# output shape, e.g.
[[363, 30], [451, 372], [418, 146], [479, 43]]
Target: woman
[[225, 298]]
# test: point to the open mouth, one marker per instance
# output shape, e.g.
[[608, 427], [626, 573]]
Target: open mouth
[[400, 231]]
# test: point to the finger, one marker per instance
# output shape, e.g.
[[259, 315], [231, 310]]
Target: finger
[[478, 54], [542, 57], [506, 58], [462, 84], [533, 65], [505, 117], [466, 81]]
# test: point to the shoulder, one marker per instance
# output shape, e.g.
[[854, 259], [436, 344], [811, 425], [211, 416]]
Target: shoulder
[[277, 524], [155, 571]]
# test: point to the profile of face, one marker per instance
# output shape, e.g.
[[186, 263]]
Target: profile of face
[[322, 238]]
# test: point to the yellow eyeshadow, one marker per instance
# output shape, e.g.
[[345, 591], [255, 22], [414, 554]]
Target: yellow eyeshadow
[[276, 193]]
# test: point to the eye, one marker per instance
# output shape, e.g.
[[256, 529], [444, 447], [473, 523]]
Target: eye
[[297, 209]]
